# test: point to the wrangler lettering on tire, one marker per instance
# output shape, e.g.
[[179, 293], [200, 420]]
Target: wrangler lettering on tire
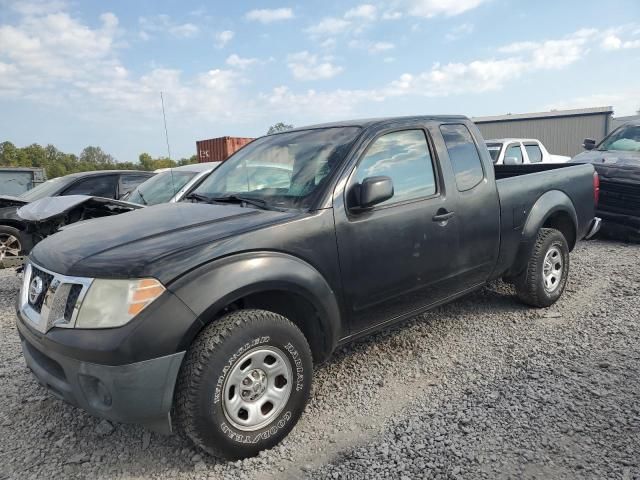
[[244, 383]]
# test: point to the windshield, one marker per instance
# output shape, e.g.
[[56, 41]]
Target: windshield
[[43, 190], [494, 150], [626, 138], [282, 171], [160, 188]]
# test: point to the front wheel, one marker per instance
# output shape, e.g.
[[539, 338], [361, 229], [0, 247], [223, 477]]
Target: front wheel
[[244, 384], [545, 277], [11, 243]]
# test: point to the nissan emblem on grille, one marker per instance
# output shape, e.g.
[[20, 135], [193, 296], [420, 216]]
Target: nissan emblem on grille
[[35, 289]]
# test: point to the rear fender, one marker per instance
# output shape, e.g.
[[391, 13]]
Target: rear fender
[[211, 288], [547, 205]]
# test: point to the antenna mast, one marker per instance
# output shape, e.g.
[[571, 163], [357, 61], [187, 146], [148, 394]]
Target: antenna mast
[[166, 133]]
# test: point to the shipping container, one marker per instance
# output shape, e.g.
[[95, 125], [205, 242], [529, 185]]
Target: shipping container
[[17, 180], [219, 149]]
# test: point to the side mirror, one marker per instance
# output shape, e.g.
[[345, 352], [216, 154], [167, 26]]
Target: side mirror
[[512, 161], [589, 144], [373, 190]]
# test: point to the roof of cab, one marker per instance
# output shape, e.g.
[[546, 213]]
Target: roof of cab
[[369, 122]]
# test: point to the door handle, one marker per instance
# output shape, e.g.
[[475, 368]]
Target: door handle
[[443, 217]]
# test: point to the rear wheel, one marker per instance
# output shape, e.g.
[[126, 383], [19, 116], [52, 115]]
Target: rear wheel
[[244, 384], [545, 277]]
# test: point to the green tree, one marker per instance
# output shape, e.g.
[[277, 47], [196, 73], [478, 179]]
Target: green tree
[[279, 127], [96, 156]]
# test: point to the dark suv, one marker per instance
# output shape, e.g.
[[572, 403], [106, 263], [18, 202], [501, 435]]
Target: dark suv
[[101, 183]]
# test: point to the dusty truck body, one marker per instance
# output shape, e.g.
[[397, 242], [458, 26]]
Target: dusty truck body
[[617, 161], [209, 314]]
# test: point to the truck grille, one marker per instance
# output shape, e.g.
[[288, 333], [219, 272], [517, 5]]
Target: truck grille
[[46, 282], [48, 299], [618, 197]]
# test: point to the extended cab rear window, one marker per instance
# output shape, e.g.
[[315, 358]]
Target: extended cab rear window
[[463, 155]]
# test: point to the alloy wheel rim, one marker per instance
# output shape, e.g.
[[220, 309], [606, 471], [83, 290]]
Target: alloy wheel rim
[[552, 268], [9, 246], [257, 388]]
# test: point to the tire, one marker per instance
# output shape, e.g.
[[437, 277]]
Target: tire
[[531, 286], [210, 393], [12, 243]]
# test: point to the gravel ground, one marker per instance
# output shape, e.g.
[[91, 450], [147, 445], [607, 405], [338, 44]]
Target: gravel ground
[[481, 388]]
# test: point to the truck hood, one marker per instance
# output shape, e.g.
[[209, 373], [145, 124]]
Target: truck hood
[[130, 244], [612, 164]]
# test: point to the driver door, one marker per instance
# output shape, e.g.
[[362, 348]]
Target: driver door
[[396, 257]]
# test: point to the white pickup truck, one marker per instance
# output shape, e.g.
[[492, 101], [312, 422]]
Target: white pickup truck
[[519, 151]]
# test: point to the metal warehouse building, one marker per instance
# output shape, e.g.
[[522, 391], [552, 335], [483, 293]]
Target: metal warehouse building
[[561, 131]]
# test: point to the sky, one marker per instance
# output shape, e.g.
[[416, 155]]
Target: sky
[[86, 72]]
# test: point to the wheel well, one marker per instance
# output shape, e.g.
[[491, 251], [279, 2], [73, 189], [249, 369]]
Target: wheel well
[[294, 307], [12, 224], [562, 222]]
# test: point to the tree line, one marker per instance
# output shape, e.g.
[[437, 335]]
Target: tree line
[[57, 163]]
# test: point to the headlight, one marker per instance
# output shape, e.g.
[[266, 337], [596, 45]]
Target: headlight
[[112, 303]]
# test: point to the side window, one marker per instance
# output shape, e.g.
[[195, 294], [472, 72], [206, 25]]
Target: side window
[[464, 156], [99, 186], [534, 153], [128, 183], [404, 157], [515, 151]]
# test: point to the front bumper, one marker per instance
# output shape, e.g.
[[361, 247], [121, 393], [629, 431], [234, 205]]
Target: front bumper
[[140, 392]]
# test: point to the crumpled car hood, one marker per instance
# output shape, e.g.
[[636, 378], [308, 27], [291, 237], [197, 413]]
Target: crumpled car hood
[[9, 201], [52, 207]]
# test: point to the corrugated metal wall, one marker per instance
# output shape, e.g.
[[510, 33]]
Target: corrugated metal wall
[[561, 135]]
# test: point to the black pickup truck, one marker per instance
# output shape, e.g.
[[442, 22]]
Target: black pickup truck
[[617, 160], [207, 315]]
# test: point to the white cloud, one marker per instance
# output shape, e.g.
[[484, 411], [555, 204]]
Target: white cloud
[[328, 43], [55, 59], [552, 54], [365, 11], [306, 66], [324, 105], [38, 7], [236, 61], [379, 47], [392, 15], [448, 8], [613, 42], [224, 37], [459, 31], [329, 26], [518, 47], [270, 15], [163, 24]]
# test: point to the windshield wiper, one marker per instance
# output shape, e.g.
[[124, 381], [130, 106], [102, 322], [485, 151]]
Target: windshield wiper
[[198, 197], [142, 197], [256, 202], [234, 198]]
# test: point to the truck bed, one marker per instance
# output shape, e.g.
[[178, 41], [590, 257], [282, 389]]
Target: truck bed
[[520, 187]]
